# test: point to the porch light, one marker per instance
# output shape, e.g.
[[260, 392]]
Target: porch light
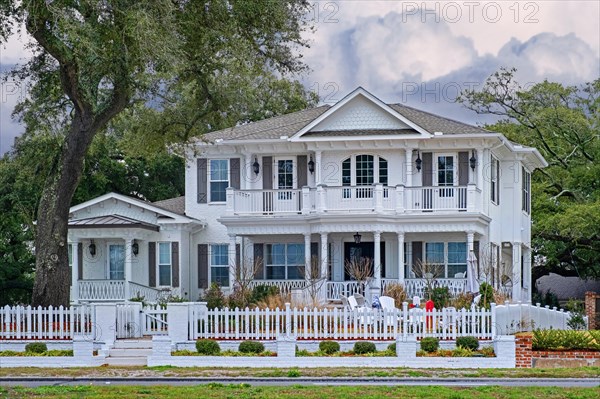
[[311, 165], [473, 160], [135, 248], [92, 248], [256, 166], [357, 238], [418, 162]]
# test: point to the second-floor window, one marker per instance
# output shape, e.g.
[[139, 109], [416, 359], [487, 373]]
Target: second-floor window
[[364, 171], [526, 191], [218, 179], [494, 180]]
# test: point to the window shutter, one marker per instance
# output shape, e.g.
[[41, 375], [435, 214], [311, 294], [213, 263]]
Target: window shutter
[[202, 180], [152, 264], [234, 165], [175, 263], [80, 260], [301, 171], [463, 168], [202, 265], [238, 263], [259, 261], [498, 180], [477, 254], [427, 168], [314, 253], [417, 252], [267, 167]]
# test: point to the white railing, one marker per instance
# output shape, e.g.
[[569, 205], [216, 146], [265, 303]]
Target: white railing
[[149, 294], [20, 322], [341, 324], [375, 198], [346, 288], [436, 198], [266, 202], [517, 317], [418, 286], [101, 290], [285, 286]]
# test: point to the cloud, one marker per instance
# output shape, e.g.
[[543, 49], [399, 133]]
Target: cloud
[[10, 94]]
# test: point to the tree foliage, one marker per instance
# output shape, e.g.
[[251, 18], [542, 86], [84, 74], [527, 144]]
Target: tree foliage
[[563, 123]]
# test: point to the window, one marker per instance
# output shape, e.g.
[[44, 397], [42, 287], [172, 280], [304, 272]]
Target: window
[[285, 178], [116, 262], [364, 174], [364, 170], [70, 249], [457, 258], [219, 179], [526, 195], [450, 257], [284, 261], [346, 177], [164, 263], [445, 172], [219, 264], [494, 181]]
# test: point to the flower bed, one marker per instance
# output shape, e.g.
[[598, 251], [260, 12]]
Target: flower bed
[[224, 353], [55, 352]]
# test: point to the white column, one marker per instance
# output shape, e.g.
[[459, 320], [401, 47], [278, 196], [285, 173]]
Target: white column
[[516, 270], [318, 168], [409, 169], [480, 165], [527, 275], [470, 242], [401, 258], [128, 266], [248, 174], [75, 271], [231, 261], [324, 255], [307, 259], [377, 259]]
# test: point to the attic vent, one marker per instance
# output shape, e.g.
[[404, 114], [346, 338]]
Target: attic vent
[[438, 133]]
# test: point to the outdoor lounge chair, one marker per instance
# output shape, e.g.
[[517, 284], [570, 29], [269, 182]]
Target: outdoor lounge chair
[[360, 300]]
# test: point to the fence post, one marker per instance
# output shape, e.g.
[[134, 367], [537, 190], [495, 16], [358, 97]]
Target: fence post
[[106, 322], [178, 321], [493, 326], [404, 319], [288, 319]]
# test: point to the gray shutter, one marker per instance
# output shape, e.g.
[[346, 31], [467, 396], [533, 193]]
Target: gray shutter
[[477, 254], [202, 265], [417, 252], [202, 172], [259, 260], [301, 171], [80, 260], [463, 168], [267, 167], [175, 263], [234, 165], [238, 263], [314, 252], [498, 179], [427, 169], [152, 264]]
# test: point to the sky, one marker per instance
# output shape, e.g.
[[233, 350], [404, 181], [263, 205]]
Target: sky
[[420, 53]]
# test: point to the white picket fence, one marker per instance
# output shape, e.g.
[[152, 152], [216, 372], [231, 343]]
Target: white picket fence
[[319, 323], [20, 322], [517, 317], [135, 320]]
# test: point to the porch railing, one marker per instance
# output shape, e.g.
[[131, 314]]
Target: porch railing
[[413, 287], [149, 294], [353, 199], [285, 286], [101, 290]]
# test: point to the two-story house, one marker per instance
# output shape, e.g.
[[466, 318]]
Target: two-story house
[[329, 184]]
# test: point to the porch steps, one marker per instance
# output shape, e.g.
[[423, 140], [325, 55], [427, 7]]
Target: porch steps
[[130, 352]]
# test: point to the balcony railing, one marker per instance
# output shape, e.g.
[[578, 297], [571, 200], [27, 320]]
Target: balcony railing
[[353, 199]]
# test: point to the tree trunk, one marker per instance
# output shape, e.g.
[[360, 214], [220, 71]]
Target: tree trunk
[[52, 282]]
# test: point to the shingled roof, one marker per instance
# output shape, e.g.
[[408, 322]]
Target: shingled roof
[[175, 205], [435, 123]]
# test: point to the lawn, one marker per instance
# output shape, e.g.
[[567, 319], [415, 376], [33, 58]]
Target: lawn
[[244, 391]]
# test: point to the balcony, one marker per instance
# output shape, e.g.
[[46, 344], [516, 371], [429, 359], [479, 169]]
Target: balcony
[[377, 199]]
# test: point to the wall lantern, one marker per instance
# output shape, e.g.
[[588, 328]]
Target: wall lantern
[[357, 238], [418, 162], [473, 160], [135, 248], [256, 166], [92, 248], [311, 165]]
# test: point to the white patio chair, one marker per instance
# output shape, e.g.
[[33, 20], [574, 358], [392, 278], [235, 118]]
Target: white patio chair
[[360, 300], [345, 303], [388, 304], [352, 303], [459, 275]]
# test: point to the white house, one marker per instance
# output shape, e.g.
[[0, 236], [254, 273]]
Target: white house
[[360, 178]]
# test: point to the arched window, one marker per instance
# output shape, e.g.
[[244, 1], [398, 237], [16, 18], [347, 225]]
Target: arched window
[[364, 171]]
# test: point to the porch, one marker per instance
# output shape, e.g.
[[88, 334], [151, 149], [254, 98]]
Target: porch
[[115, 291]]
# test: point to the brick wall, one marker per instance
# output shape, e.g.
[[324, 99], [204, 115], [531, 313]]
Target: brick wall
[[527, 358], [590, 309]]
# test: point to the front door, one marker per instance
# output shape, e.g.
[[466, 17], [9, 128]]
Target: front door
[[286, 198], [354, 252], [116, 262]]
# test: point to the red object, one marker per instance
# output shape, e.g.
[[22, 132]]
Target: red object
[[429, 305]]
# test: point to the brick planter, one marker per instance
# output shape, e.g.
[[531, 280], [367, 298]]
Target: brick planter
[[526, 357]]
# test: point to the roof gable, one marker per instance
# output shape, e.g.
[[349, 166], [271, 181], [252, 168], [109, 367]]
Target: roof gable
[[361, 111]]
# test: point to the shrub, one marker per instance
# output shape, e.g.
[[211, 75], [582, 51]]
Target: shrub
[[396, 291], [360, 348], [440, 297], [251, 347], [577, 309], [214, 297], [487, 295], [565, 339], [239, 298], [471, 343], [576, 340], [462, 300], [329, 347], [207, 347], [462, 352], [261, 292], [488, 351], [392, 347], [36, 347], [430, 344]]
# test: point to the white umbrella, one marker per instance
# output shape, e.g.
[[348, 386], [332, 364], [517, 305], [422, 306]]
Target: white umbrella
[[472, 283]]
